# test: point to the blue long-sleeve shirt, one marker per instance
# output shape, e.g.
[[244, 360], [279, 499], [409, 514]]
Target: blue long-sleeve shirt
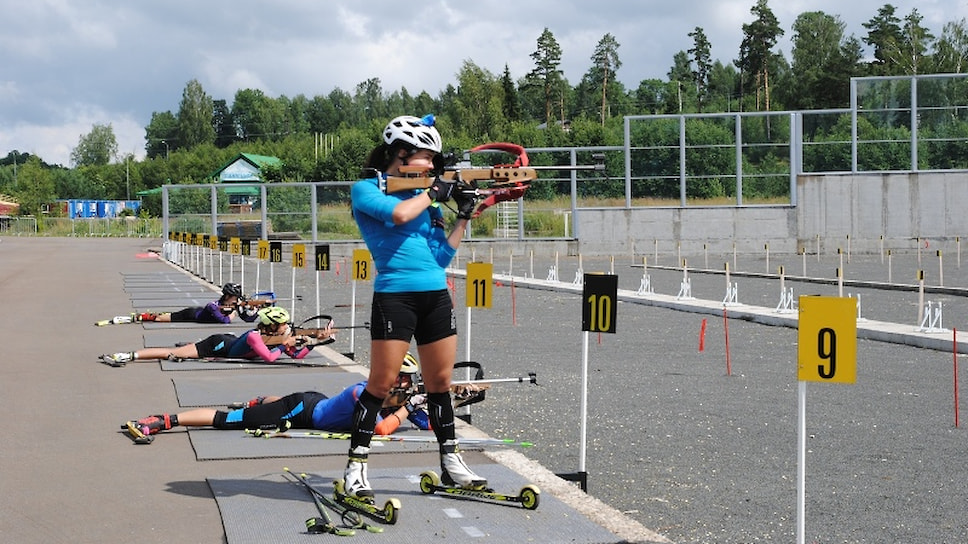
[[408, 257]]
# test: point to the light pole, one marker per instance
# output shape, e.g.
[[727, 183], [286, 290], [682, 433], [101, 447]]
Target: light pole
[[166, 148]]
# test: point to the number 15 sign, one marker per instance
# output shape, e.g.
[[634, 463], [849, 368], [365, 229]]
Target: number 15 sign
[[827, 339]]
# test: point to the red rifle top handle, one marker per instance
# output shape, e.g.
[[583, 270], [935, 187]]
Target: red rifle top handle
[[514, 149]]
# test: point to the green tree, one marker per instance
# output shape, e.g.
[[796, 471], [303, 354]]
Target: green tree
[[823, 62], [512, 107], [161, 134], [223, 124], [681, 77], [479, 103], [605, 63], [908, 54], [370, 101], [951, 50], [701, 59], [546, 74], [97, 147], [35, 187], [756, 50], [195, 114], [255, 115], [723, 87], [883, 31]]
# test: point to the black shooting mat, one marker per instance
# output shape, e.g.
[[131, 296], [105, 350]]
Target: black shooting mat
[[226, 388], [165, 337], [218, 392], [171, 300], [214, 444], [172, 294], [210, 328], [270, 508], [311, 360]]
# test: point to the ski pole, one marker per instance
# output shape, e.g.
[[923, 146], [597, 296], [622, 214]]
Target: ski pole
[[349, 516], [473, 441], [324, 524]]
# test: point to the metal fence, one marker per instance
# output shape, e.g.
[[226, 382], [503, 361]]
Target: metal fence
[[893, 124], [131, 227]]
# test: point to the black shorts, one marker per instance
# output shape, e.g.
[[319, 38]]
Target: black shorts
[[426, 316], [216, 345], [186, 315], [297, 408]]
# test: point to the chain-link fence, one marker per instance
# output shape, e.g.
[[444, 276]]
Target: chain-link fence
[[130, 227]]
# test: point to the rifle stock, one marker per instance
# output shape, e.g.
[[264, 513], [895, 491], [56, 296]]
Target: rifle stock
[[496, 174]]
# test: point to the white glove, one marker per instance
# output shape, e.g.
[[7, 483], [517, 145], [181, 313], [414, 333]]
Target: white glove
[[417, 400]]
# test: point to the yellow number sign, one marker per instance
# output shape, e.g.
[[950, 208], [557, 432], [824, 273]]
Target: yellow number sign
[[263, 250], [479, 292], [827, 339], [235, 245], [362, 263], [299, 255]]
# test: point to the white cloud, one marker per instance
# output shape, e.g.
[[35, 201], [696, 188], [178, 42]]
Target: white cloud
[[118, 63]]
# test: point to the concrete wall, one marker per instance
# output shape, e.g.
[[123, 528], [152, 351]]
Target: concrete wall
[[900, 207]]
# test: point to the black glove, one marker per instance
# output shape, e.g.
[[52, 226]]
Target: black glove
[[441, 190], [465, 204]]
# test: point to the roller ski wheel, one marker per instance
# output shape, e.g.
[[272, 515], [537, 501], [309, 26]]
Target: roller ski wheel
[[134, 431], [529, 497], [388, 514]]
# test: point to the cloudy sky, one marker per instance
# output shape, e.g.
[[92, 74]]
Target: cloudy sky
[[65, 66]]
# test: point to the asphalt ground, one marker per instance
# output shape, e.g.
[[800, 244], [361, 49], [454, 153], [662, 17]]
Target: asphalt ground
[[682, 447], [69, 474], [702, 454]]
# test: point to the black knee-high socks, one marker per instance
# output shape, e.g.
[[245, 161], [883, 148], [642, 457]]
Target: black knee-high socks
[[364, 419], [441, 411]]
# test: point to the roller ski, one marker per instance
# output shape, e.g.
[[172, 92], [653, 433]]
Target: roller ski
[[457, 479], [119, 320], [141, 431], [367, 505], [354, 491], [528, 497], [349, 517], [117, 359]]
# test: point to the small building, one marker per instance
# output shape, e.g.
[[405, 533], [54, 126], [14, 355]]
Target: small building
[[243, 168], [9, 205]]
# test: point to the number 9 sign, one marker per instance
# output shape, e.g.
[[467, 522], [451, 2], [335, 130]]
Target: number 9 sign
[[827, 339]]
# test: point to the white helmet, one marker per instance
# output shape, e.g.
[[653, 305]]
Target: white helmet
[[414, 132]]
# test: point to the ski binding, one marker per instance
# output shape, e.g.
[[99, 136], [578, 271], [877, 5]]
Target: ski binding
[[528, 497], [388, 514], [139, 437]]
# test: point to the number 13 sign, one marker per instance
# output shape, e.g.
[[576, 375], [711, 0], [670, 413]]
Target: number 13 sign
[[827, 339]]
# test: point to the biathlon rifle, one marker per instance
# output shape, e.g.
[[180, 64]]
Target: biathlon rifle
[[311, 336], [258, 300], [473, 391], [503, 182]]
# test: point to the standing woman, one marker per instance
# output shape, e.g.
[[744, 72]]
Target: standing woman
[[404, 232]]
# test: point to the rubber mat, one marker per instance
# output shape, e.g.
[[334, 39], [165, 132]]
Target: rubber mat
[[213, 444], [233, 364], [221, 390], [271, 508]]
